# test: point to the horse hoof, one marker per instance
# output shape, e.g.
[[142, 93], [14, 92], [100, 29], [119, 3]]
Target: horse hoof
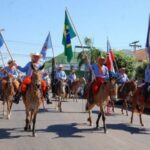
[[34, 135], [25, 128], [8, 117]]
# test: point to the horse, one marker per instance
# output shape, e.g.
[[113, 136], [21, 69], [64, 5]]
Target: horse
[[125, 92], [9, 89], [106, 90], [60, 92], [32, 99], [74, 88], [138, 102]]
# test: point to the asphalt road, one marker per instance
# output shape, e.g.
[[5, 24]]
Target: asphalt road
[[69, 130]]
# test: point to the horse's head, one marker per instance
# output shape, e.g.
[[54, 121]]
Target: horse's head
[[129, 86], [113, 90], [36, 76], [9, 84], [61, 87]]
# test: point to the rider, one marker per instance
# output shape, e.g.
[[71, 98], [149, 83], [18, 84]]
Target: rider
[[71, 77], [101, 73], [35, 61], [60, 74], [122, 77], [11, 70]]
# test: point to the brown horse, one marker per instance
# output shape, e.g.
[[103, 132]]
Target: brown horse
[[60, 93], [74, 89], [9, 88], [106, 90], [138, 103], [33, 99], [125, 92]]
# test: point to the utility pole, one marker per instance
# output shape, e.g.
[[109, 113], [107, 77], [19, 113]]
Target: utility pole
[[134, 45]]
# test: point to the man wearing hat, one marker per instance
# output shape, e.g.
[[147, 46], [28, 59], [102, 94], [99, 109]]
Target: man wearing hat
[[35, 61], [101, 74], [60, 74], [122, 76], [10, 69]]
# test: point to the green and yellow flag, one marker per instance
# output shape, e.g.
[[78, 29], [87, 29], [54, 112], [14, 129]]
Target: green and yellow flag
[[68, 34]]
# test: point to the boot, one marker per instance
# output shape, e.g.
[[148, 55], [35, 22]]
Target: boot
[[17, 97]]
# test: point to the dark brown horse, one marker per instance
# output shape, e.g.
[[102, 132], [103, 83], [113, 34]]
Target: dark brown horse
[[138, 102], [9, 88], [100, 99], [33, 99], [60, 92], [125, 92]]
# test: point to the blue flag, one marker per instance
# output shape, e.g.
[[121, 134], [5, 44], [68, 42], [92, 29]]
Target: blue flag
[[1, 40], [148, 38], [47, 45]]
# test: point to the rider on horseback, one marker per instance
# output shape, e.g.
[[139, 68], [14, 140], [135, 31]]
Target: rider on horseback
[[35, 57], [11, 70], [122, 76], [100, 72]]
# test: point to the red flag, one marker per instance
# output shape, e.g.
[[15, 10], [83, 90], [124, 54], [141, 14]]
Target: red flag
[[110, 58]]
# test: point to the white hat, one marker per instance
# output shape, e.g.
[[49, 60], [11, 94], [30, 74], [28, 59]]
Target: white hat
[[36, 54], [60, 66]]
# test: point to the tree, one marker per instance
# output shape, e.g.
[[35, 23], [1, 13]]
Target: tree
[[140, 71], [127, 61]]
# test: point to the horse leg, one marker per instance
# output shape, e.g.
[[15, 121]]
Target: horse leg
[[132, 116], [103, 118], [90, 118], [8, 109], [34, 121], [3, 108], [27, 121], [113, 105], [140, 116], [126, 107], [59, 104], [97, 121]]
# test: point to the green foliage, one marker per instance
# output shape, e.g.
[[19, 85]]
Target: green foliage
[[127, 61], [140, 71]]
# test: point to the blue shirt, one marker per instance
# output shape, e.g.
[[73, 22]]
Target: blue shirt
[[11, 71], [104, 74], [122, 78], [27, 68], [72, 77], [61, 75]]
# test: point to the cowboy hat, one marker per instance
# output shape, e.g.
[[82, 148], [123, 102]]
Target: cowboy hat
[[60, 66], [36, 54]]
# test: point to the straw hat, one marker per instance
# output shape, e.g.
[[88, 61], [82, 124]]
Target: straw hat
[[36, 54], [60, 66]]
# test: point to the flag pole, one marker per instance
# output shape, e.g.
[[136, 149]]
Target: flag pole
[[51, 44], [53, 68], [7, 48], [2, 58], [75, 29]]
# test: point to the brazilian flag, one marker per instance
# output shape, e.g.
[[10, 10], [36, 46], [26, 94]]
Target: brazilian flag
[[68, 34]]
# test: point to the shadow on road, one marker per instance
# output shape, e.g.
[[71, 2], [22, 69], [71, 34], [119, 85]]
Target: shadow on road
[[128, 128], [5, 133]]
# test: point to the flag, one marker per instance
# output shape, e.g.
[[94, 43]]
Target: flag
[[148, 38], [1, 40], [47, 44], [110, 58], [68, 34]]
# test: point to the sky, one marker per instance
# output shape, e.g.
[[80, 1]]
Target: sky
[[27, 23]]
